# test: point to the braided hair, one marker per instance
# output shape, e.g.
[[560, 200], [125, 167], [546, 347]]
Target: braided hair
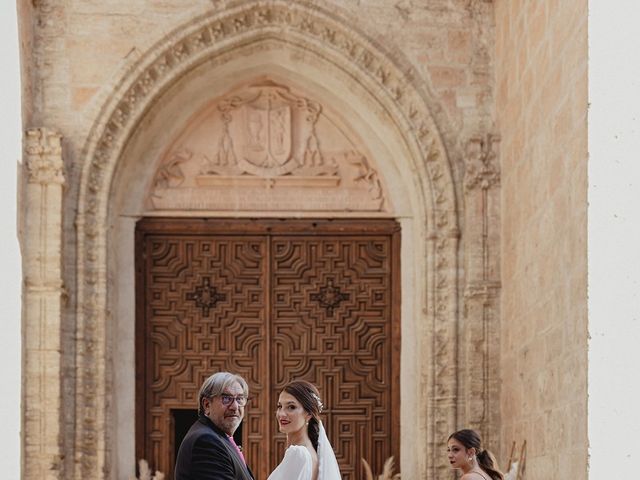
[[486, 460], [309, 397]]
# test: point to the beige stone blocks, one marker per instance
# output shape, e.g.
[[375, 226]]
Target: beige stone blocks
[[541, 104], [447, 77], [460, 46]]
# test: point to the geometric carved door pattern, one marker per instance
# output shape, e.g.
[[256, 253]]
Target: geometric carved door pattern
[[272, 300]]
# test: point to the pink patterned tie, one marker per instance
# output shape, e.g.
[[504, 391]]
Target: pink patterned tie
[[235, 445]]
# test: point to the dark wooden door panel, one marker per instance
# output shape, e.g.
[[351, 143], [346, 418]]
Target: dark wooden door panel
[[205, 309], [272, 300], [331, 325]]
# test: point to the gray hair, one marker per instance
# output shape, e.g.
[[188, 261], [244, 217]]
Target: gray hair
[[216, 384]]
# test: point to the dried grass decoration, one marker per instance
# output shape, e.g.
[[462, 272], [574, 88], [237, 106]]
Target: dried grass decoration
[[146, 474], [387, 471]]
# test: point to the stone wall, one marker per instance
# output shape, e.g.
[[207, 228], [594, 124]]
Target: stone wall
[[78, 54], [541, 98], [75, 51]]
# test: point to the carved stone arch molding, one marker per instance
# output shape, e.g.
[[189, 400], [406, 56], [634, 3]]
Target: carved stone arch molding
[[398, 107]]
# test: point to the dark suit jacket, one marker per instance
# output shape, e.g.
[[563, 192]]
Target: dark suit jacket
[[206, 454]]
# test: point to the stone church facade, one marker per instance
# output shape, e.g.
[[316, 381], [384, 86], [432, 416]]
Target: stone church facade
[[439, 146]]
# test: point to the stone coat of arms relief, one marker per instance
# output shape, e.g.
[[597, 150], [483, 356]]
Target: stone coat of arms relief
[[265, 148]]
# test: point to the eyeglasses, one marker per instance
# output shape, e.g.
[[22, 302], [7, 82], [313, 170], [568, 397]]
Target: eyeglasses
[[227, 400]]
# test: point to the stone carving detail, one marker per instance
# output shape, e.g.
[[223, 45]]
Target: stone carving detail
[[170, 175], [482, 170], [486, 291], [366, 175], [315, 25], [444, 344], [482, 292], [259, 149], [389, 75], [268, 131], [44, 156], [482, 340]]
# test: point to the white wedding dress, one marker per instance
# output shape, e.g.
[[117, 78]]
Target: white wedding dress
[[298, 465]]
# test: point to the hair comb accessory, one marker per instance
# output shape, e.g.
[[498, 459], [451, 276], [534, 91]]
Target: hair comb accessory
[[318, 401]]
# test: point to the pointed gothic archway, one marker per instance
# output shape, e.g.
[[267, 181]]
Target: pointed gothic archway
[[388, 110]]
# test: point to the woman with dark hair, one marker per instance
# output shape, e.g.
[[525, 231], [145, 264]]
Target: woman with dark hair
[[309, 455], [465, 453]]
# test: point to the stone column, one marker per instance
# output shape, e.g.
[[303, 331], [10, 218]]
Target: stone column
[[480, 334], [43, 294], [443, 344]]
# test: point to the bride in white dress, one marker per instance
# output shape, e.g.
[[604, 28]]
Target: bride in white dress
[[309, 455]]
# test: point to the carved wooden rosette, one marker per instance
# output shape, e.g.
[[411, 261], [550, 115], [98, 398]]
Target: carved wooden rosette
[[320, 33], [43, 294], [481, 313]]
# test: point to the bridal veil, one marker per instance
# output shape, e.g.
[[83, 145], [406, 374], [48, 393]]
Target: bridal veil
[[327, 464]]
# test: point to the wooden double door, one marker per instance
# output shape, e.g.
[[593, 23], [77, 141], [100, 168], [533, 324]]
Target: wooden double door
[[271, 300]]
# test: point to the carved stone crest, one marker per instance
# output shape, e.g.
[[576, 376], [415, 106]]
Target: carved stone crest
[[259, 148], [268, 131]]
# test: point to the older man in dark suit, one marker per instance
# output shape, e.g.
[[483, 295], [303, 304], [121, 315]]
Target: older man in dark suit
[[208, 451]]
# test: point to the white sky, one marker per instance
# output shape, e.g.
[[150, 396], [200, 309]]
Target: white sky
[[10, 276], [614, 240]]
